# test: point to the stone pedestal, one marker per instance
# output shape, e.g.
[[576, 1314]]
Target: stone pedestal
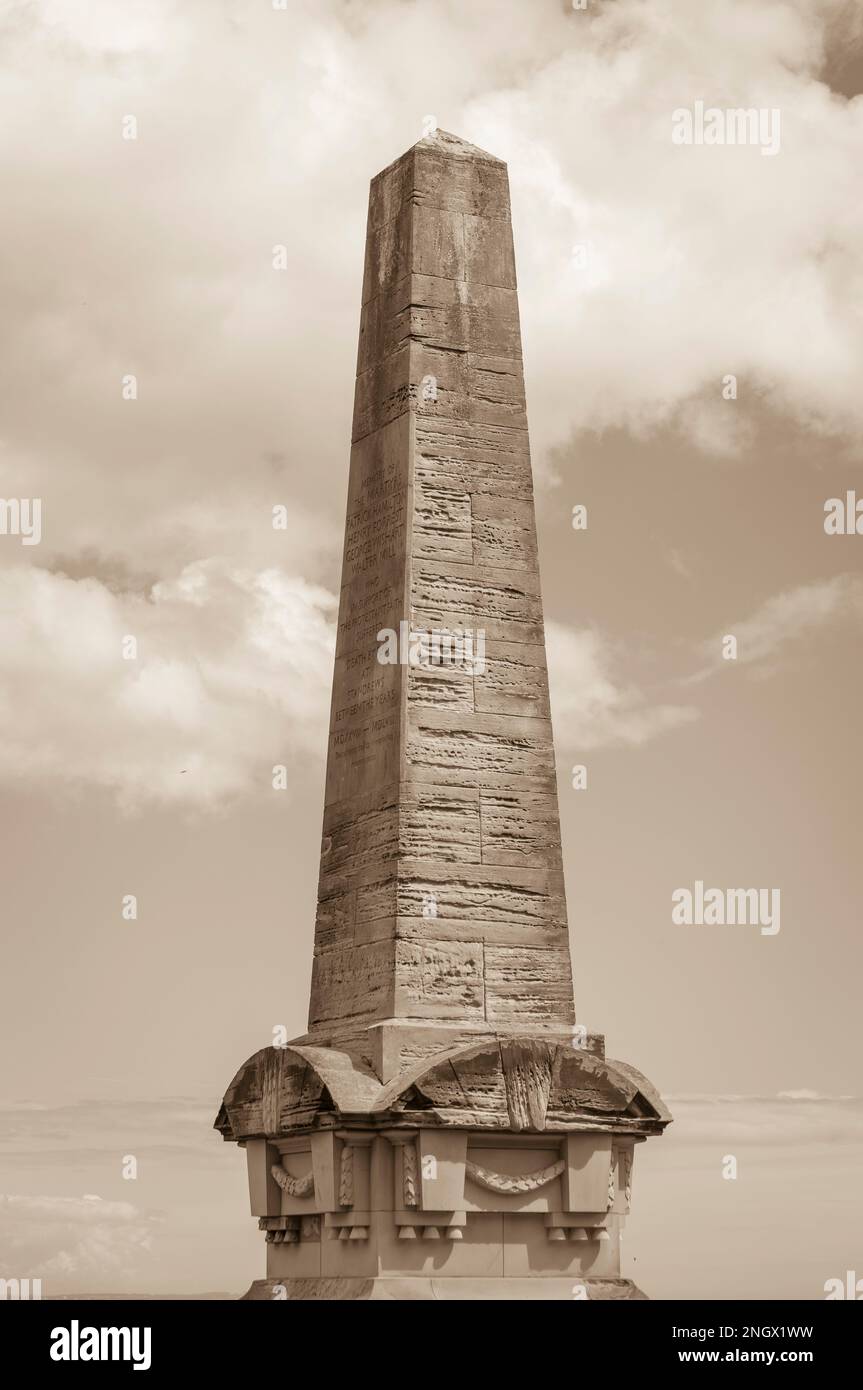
[[503, 1169]]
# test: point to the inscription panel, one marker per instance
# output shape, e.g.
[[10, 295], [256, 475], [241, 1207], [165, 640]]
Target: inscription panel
[[365, 714]]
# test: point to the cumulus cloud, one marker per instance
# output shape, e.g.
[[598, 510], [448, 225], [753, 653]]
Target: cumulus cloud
[[231, 678], [591, 707], [701, 261], [259, 127], [101, 1243]]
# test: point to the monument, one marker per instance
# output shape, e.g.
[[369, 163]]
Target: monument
[[444, 1129]]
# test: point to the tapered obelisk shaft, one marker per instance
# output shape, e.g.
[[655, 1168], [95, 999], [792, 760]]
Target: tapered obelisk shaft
[[441, 895]]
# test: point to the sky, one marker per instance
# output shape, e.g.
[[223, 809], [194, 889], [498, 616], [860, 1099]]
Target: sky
[[649, 273]]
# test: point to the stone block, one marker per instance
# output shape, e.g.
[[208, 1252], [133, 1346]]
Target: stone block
[[441, 1160], [437, 244], [326, 1152], [586, 1178], [488, 251], [479, 187], [530, 1253], [515, 680], [479, 1253], [264, 1192], [441, 979]]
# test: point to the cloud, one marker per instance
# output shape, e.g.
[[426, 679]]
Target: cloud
[[173, 1134], [702, 261], [787, 617], [74, 1238], [805, 1094], [590, 708], [259, 127], [231, 678], [790, 1120]]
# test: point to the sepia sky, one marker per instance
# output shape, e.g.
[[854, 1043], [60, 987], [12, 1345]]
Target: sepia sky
[[648, 273]]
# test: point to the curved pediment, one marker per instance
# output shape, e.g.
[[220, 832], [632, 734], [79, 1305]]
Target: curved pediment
[[514, 1083], [526, 1084], [281, 1089]]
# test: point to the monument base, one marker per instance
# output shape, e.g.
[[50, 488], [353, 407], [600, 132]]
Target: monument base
[[418, 1289], [501, 1170]]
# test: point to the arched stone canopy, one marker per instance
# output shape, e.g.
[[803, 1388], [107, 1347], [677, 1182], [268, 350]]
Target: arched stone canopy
[[520, 1084]]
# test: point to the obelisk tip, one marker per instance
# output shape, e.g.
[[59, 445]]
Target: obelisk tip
[[454, 146]]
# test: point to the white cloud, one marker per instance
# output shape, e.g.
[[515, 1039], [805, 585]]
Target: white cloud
[[232, 677], [101, 26], [260, 126], [590, 708], [104, 1243], [704, 261], [787, 617]]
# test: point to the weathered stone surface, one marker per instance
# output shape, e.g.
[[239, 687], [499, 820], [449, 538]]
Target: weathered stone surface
[[507, 905], [483, 458], [439, 979], [527, 1069], [443, 1131], [504, 532], [447, 764], [534, 1082], [440, 823], [587, 1083], [401, 1288], [444, 178], [355, 982], [480, 750], [520, 828], [442, 524], [515, 680], [528, 986], [503, 604]]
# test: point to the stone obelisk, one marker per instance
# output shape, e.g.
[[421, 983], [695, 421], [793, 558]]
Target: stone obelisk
[[444, 1129]]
